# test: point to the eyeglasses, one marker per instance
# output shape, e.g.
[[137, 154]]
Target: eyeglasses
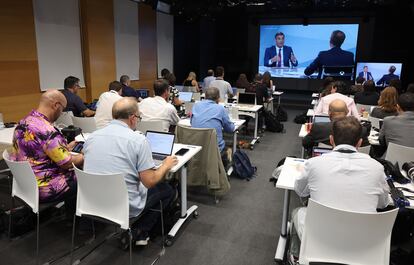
[[60, 104], [137, 116]]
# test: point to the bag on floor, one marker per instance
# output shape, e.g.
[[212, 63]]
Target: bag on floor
[[281, 114], [242, 167], [301, 118], [272, 122]]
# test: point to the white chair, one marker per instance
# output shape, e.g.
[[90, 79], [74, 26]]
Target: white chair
[[333, 235], [25, 187], [375, 122], [158, 126], [87, 124], [364, 149], [367, 108], [196, 96], [188, 106], [104, 197], [64, 120], [398, 153]]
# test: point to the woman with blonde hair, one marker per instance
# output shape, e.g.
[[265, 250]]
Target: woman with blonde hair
[[387, 104], [191, 82]]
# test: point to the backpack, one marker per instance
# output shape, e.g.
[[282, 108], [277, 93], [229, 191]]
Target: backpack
[[281, 114], [243, 169], [272, 122], [301, 118]]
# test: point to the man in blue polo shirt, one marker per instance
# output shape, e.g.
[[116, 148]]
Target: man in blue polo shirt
[[209, 114], [75, 103]]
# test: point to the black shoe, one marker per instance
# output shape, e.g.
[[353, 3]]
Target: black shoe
[[142, 239]]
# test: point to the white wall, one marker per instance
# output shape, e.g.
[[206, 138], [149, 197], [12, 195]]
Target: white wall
[[58, 41], [165, 41], [126, 38]]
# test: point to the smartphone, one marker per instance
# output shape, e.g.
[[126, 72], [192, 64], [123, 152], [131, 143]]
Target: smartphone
[[182, 151], [78, 147]]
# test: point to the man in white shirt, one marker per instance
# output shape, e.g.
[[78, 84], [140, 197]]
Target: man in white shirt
[[343, 179], [337, 93], [103, 114], [223, 86], [208, 79], [157, 108]]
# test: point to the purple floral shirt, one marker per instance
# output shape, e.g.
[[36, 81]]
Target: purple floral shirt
[[38, 141]]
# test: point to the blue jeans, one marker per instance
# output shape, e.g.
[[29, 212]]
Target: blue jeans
[[160, 192]]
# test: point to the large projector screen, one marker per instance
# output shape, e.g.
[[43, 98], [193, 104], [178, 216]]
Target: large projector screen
[[287, 50]]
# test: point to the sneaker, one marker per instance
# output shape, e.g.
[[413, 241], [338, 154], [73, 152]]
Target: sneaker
[[142, 239]]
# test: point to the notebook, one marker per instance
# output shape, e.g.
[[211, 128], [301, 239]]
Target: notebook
[[318, 151], [247, 99], [186, 96], [321, 118], [161, 144]]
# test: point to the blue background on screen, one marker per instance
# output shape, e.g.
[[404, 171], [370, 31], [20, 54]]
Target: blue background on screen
[[307, 41], [378, 69]]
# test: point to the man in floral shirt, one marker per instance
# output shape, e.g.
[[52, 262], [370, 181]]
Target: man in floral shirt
[[39, 142]]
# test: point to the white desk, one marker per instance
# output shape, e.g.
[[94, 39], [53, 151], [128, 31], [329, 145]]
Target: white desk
[[314, 102], [310, 113], [6, 136], [303, 132], [315, 95], [291, 170], [278, 94], [252, 111], [237, 124]]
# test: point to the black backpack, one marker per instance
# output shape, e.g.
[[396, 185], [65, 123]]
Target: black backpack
[[301, 118], [281, 114], [242, 166], [272, 122]]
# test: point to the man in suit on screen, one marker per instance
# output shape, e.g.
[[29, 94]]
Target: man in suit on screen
[[333, 57], [280, 55], [365, 74], [385, 79]]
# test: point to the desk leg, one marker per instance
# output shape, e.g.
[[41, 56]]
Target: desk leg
[[185, 213], [256, 122], [303, 152], [278, 100], [281, 245], [234, 141]]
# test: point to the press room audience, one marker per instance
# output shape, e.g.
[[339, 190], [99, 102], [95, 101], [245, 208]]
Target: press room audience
[[74, 102], [358, 87], [128, 91], [387, 104], [158, 108], [191, 81], [224, 87], [369, 95], [410, 88], [267, 80], [399, 129], [337, 92], [209, 114], [242, 82], [344, 179], [208, 79], [106, 100], [174, 93], [116, 148], [36, 140]]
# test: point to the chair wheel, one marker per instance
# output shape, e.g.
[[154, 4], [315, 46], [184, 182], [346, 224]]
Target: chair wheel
[[195, 214], [168, 242]]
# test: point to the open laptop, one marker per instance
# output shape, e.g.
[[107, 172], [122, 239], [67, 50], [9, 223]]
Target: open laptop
[[186, 96], [161, 144], [318, 151], [321, 118], [247, 99]]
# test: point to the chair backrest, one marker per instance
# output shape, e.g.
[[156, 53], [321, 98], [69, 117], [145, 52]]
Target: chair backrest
[[24, 182], [375, 122], [333, 235], [398, 153], [104, 196], [339, 72], [158, 126], [364, 149], [189, 89], [196, 96], [188, 107], [87, 124], [64, 120], [367, 108]]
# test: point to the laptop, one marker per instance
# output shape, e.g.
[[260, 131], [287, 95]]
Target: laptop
[[247, 99], [161, 144], [186, 96], [321, 118], [318, 151]]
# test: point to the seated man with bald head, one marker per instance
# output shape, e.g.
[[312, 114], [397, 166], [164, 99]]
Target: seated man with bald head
[[39, 142], [320, 131], [117, 148]]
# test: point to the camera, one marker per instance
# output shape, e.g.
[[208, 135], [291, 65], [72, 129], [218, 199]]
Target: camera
[[71, 132], [409, 168]]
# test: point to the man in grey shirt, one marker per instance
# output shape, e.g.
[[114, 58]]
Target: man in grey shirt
[[223, 86], [208, 79], [116, 148], [343, 178]]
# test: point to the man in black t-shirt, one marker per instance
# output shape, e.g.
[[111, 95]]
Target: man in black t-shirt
[[75, 103]]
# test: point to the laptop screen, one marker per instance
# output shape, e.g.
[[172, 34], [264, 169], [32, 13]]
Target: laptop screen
[[318, 151], [247, 98], [186, 96], [318, 119], [160, 142]]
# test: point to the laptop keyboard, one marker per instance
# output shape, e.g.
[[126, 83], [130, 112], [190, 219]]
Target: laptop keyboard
[[158, 157]]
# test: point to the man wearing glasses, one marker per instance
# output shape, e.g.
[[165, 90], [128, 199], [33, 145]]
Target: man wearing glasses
[[75, 103]]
